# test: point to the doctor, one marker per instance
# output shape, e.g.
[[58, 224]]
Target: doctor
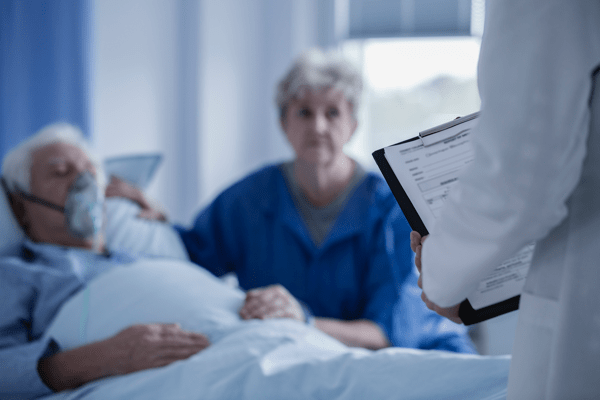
[[536, 176]]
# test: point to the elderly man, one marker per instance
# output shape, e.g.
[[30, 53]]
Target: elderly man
[[56, 191], [56, 198]]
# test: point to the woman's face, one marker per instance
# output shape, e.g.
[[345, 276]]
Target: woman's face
[[318, 125]]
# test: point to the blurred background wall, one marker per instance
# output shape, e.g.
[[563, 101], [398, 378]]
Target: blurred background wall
[[195, 80]]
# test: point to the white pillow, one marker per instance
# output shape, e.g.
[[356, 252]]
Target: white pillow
[[147, 291], [125, 232]]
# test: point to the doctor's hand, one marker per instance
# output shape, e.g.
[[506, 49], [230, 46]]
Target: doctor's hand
[[272, 301], [416, 244]]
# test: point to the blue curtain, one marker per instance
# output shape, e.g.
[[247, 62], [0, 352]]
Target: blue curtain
[[44, 59]]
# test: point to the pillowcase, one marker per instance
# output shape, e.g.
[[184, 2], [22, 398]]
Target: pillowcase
[[124, 231], [148, 291]]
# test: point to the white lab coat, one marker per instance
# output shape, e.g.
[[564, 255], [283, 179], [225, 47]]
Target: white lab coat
[[536, 176]]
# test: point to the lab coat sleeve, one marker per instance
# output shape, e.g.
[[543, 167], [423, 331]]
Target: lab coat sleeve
[[534, 82], [19, 354]]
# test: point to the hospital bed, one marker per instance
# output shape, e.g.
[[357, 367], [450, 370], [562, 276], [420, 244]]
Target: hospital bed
[[274, 359]]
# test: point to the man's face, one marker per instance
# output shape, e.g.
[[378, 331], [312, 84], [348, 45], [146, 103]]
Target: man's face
[[54, 168]]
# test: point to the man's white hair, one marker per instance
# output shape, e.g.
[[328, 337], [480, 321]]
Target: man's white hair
[[16, 167]]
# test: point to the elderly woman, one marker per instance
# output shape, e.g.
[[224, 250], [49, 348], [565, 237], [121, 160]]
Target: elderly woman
[[318, 238]]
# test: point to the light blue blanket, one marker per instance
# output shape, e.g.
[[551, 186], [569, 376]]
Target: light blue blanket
[[276, 359]]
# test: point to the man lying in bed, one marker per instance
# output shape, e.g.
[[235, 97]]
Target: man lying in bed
[[73, 312], [57, 201]]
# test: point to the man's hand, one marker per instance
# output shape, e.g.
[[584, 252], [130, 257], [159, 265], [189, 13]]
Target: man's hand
[[133, 349], [119, 188], [416, 244], [271, 302], [156, 345]]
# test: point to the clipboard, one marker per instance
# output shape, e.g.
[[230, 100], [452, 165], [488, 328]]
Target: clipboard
[[466, 312]]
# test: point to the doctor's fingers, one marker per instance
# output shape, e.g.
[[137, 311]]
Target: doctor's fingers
[[418, 252], [448, 312], [415, 240]]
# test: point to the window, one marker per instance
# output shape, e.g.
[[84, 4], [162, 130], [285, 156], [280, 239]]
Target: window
[[411, 84], [419, 79]]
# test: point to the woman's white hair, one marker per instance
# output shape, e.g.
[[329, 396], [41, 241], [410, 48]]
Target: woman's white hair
[[16, 167], [317, 69]]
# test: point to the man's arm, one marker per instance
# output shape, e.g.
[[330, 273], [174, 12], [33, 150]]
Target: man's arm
[[133, 349]]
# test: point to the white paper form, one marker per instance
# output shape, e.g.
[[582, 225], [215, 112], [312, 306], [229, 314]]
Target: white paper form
[[427, 173]]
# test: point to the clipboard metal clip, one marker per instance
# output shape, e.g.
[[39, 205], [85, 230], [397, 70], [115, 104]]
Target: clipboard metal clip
[[443, 132]]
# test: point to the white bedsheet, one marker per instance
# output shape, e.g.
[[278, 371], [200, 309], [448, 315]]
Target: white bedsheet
[[277, 359]]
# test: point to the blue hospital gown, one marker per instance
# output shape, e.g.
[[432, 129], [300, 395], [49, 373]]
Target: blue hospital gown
[[364, 269], [33, 286]]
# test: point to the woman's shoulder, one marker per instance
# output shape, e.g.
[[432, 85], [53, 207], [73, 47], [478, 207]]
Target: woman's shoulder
[[266, 176], [258, 187], [377, 190], [378, 199]]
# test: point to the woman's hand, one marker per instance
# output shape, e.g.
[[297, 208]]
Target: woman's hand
[[271, 302], [416, 244]]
